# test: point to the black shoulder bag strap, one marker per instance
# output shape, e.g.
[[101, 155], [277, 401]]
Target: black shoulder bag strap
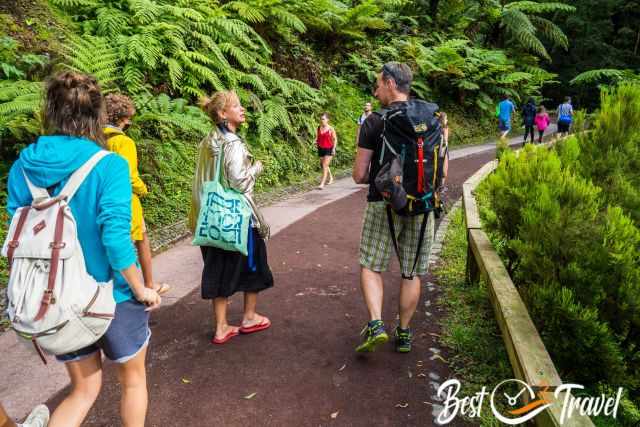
[[392, 229]]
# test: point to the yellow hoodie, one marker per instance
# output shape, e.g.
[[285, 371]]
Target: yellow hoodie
[[121, 144]]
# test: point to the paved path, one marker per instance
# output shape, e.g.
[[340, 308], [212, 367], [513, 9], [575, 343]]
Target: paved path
[[296, 368]]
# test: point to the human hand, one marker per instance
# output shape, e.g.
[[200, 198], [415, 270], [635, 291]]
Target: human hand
[[148, 297]]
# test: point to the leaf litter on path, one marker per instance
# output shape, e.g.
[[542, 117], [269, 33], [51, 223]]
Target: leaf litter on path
[[250, 396], [334, 415], [402, 405]]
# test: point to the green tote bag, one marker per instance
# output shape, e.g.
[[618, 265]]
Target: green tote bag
[[223, 221]]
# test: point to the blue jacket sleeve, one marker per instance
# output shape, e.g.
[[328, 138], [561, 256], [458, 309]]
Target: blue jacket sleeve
[[114, 213], [18, 192]]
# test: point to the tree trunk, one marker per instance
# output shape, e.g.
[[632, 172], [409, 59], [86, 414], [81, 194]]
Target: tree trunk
[[433, 9]]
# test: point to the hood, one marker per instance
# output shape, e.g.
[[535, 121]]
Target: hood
[[53, 158]]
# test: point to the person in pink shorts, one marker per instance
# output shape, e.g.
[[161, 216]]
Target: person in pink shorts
[[542, 122]]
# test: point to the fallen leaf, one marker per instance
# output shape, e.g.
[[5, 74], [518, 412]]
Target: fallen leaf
[[409, 374], [335, 415], [342, 368], [428, 403], [250, 396], [402, 405], [320, 265], [421, 375], [433, 334], [348, 316], [437, 356], [300, 294], [186, 381]]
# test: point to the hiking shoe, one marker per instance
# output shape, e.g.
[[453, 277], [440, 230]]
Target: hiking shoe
[[39, 417], [374, 335], [403, 340]]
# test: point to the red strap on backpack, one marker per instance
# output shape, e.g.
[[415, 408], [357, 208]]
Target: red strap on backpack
[[420, 165]]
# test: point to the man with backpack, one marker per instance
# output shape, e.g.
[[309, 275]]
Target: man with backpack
[[398, 157], [529, 112], [565, 117]]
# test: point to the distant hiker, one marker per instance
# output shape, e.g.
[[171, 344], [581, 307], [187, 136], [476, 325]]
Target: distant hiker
[[327, 141], [565, 117], [368, 108], [542, 122], [226, 272], [504, 112], [528, 119], [405, 172], [74, 118], [120, 110]]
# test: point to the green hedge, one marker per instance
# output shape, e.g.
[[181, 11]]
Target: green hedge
[[565, 221]]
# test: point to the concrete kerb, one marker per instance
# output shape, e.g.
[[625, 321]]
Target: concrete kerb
[[27, 382]]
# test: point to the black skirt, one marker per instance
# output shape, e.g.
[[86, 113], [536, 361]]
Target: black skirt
[[226, 272]]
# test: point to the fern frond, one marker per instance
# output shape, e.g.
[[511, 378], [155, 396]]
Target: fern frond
[[93, 55], [599, 75], [536, 7], [551, 31], [246, 11], [111, 21]]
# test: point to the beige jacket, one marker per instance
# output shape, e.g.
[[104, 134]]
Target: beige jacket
[[239, 172]]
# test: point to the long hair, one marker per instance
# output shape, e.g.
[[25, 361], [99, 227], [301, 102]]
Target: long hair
[[74, 106]]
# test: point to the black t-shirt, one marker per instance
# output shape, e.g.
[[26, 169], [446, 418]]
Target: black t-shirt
[[371, 139]]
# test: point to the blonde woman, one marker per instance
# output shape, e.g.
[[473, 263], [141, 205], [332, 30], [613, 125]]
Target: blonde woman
[[226, 272]]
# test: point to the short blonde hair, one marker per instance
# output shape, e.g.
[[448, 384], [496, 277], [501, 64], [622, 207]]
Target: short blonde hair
[[217, 103]]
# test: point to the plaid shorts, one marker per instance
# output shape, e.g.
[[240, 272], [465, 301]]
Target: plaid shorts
[[376, 245]]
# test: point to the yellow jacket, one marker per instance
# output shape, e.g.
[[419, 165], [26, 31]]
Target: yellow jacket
[[119, 143]]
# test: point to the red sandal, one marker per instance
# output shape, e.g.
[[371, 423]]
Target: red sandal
[[256, 328], [232, 333]]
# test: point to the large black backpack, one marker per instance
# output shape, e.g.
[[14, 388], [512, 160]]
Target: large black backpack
[[412, 163], [411, 142]]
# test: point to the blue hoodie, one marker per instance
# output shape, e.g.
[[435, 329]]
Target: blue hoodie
[[101, 206]]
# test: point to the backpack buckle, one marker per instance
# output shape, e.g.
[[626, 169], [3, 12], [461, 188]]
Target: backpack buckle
[[58, 245]]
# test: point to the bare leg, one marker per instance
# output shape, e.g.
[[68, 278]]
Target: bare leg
[[86, 381], [325, 171], [251, 316], [134, 399], [144, 255], [409, 297], [220, 318], [373, 292], [329, 169]]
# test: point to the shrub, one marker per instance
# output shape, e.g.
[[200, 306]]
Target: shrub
[[574, 259]]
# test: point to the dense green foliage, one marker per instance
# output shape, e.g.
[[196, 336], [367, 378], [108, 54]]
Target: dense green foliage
[[566, 221], [603, 35], [288, 60]]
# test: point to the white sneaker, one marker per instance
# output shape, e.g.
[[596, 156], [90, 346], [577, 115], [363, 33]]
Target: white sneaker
[[39, 417]]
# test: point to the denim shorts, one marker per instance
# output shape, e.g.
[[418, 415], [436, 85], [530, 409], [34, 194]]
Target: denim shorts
[[504, 125], [128, 334]]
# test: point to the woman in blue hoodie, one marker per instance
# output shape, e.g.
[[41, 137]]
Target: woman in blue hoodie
[[73, 117]]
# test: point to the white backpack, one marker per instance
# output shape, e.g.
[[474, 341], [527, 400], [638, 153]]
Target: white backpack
[[53, 302]]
